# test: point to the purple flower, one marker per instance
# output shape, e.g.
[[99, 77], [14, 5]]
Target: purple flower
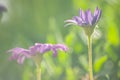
[[20, 54], [2, 8], [85, 19]]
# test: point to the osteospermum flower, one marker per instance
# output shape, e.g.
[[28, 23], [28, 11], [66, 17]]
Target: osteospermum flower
[[86, 19], [20, 54]]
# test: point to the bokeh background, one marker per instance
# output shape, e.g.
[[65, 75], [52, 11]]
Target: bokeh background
[[29, 21]]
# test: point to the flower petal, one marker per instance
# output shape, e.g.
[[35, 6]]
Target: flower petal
[[61, 47], [96, 11], [54, 52], [82, 15], [45, 47], [21, 59], [78, 20], [19, 54], [90, 17], [99, 15], [71, 21], [32, 50]]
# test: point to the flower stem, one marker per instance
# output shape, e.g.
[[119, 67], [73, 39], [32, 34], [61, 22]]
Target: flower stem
[[90, 57], [37, 59], [38, 72]]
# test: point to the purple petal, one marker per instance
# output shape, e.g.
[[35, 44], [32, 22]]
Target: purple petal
[[80, 12], [90, 17], [58, 46], [26, 53], [45, 48], [19, 54], [54, 52], [37, 47], [21, 59], [94, 20], [40, 48], [78, 20], [99, 15], [96, 11], [86, 17], [15, 52], [32, 50], [61, 47], [83, 15]]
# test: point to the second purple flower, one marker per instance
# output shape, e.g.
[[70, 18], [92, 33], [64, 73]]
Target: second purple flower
[[20, 54]]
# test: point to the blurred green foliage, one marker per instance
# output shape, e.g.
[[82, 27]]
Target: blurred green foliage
[[31, 21]]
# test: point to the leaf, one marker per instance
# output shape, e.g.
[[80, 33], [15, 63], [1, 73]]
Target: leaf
[[99, 63]]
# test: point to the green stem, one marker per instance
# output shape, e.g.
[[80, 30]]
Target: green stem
[[38, 72], [37, 59], [90, 57]]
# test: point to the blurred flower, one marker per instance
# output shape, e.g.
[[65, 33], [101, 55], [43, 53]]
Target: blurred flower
[[20, 54], [86, 19], [2, 9]]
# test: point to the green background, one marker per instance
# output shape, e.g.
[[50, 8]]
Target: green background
[[29, 21]]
